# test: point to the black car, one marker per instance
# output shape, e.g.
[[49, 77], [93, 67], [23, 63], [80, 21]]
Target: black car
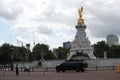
[[77, 65]]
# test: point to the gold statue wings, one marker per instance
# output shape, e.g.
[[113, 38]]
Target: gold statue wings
[[80, 20]]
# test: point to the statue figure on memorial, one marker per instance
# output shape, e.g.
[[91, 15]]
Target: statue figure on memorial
[[80, 20]]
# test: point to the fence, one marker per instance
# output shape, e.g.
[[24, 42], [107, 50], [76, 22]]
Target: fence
[[51, 69]]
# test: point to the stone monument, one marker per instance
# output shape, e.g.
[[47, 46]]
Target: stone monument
[[81, 43]]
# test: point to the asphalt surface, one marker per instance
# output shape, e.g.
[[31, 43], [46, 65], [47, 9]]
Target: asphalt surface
[[68, 75]]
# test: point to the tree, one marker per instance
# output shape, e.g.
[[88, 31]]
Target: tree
[[6, 53], [114, 51], [62, 52], [10, 53], [21, 53], [100, 48], [40, 50], [49, 55]]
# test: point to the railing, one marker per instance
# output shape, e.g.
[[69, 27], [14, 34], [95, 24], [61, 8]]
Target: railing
[[102, 68], [52, 69]]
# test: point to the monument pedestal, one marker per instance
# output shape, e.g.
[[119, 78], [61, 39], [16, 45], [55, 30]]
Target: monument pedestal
[[81, 43]]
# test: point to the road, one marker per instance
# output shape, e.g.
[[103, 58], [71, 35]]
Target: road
[[68, 75]]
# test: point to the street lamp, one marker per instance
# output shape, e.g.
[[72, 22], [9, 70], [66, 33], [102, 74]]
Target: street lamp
[[27, 53], [12, 57]]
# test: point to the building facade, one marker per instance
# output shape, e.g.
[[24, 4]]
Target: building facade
[[67, 45], [112, 40]]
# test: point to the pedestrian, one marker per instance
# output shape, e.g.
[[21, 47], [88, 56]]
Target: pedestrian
[[17, 70]]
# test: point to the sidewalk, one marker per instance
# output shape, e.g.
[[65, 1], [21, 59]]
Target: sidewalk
[[68, 75]]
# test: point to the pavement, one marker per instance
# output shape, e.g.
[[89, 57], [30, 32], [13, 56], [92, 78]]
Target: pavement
[[68, 75]]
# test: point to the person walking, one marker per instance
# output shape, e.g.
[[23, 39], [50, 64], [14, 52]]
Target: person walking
[[17, 70]]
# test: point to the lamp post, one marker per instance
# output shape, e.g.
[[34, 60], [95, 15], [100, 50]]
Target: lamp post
[[42, 56], [26, 56], [27, 53], [12, 57]]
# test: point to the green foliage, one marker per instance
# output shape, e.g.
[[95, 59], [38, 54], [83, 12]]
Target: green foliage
[[42, 51], [5, 53], [10, 53], [49, 56], [100, 48], [114, 51], [21, 53], [62, 53], [37, 51]]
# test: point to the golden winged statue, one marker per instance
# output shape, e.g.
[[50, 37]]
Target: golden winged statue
[[80, 20]]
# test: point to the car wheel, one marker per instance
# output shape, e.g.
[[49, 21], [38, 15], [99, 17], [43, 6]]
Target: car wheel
[[58, 70], [82, 70], [77, 70]]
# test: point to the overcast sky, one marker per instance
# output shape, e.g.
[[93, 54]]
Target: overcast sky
[[53, 21]]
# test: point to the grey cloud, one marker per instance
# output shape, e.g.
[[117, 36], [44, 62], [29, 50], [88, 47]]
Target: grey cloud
[[22, 30], [10, 11], [9, 15], [51, 15], [44, 29], [105, 18]]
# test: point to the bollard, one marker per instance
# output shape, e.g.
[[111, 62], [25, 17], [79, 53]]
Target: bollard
[[46, 69], [43, 73], [21, 69], [3, 72], [32, 69], [113, 68], [96, 68], [28, 73]]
